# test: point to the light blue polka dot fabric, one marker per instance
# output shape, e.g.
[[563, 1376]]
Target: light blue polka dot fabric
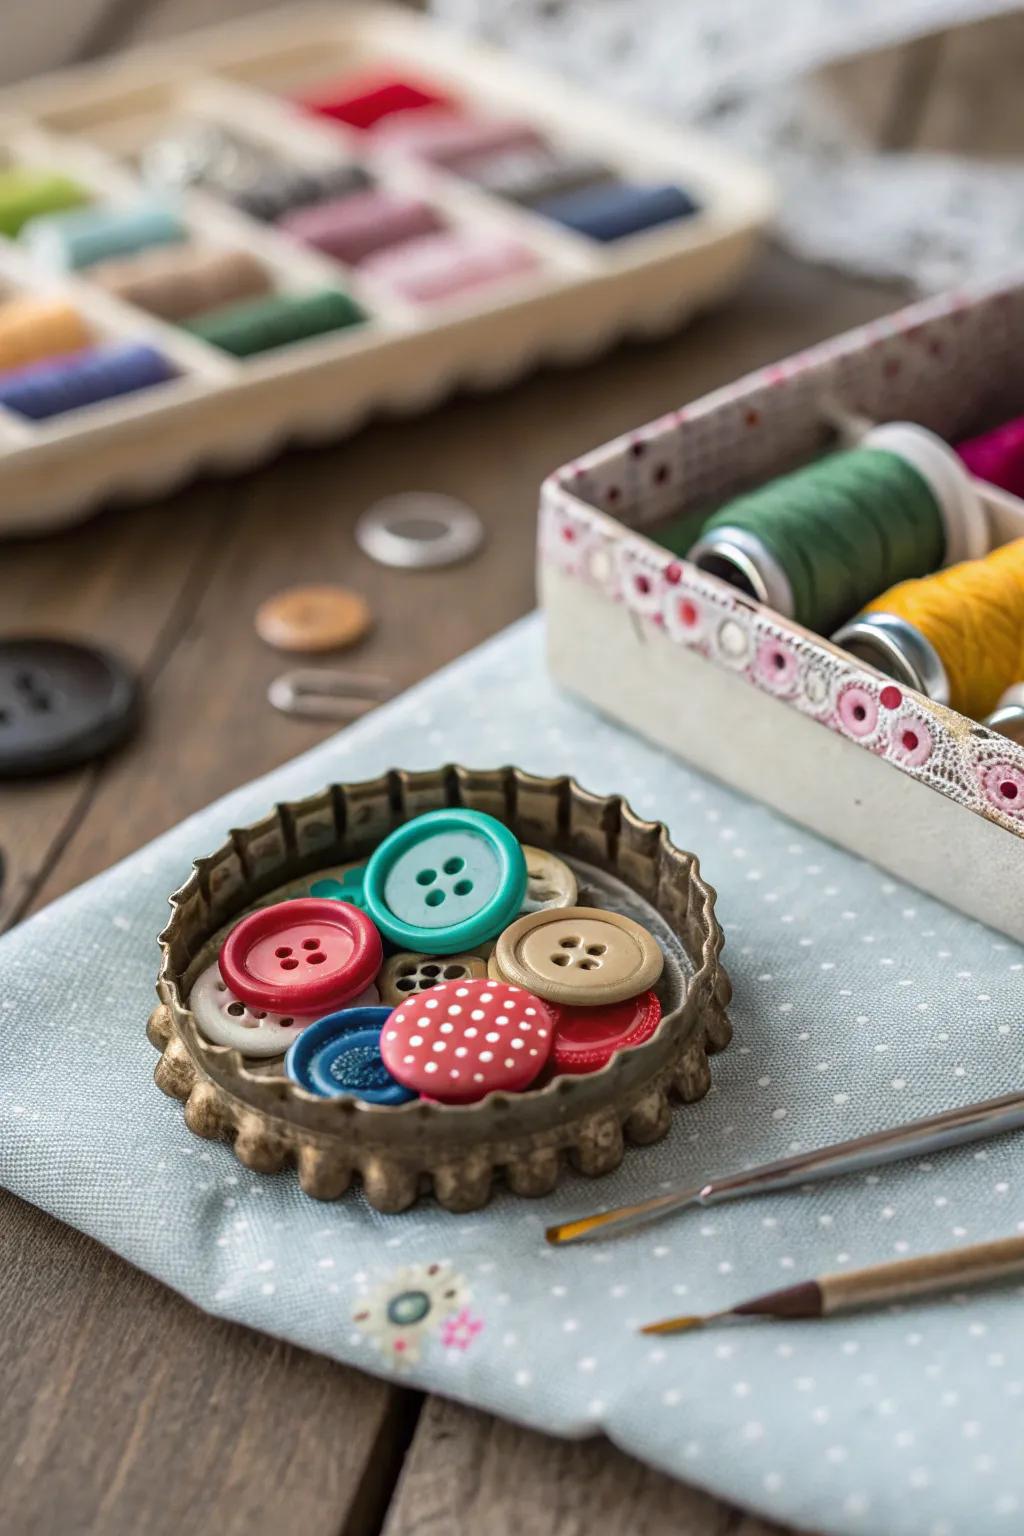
[[859, 1003]]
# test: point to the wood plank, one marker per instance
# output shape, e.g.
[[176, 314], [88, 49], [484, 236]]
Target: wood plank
[[117, 581], [467, 1472], [124, 1409]]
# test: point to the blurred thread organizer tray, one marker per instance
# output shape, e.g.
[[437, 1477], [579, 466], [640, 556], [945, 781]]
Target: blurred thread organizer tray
[[573, 294], [752, 697]]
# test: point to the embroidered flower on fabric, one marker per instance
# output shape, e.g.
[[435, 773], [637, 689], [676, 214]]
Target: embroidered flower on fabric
[[458, 1332], [400, 1313]]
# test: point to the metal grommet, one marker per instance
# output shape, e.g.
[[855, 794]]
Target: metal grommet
[[418, 530]]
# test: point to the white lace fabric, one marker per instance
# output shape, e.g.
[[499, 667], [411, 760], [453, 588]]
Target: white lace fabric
[[745, 69]]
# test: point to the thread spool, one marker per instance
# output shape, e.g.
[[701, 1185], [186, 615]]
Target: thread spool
[[208, 156], [1008, 720], [957, 636], [364, 102], [449, 264], [83, 378], [352, 228], [68, 241], [26, 193], [818, 544], [178, 282], [276, 192], [449, 138], [261, 324], [997, 456], [613, 211], [33, 328], [1008, 716], [529, 176], [200, 154]]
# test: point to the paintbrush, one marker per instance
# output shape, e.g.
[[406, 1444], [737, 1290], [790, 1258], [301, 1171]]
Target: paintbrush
[[881, 1284], [973, 1122]]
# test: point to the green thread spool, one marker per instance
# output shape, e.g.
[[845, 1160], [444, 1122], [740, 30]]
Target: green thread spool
[[26, 194], [680, 533], [262, 324], [821, 542]]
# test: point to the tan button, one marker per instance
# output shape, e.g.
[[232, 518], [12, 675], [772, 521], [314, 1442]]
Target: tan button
[[579, 955], [406, 974], [313, 619], [549, 882]]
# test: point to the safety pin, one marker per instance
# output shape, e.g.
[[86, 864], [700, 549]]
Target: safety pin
[[321, 693]]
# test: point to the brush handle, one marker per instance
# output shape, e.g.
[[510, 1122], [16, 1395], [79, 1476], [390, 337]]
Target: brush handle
[[974, 1122], [975, 1265], [953, 1128]]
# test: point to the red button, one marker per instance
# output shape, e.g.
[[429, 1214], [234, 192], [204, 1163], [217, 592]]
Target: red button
[[465, 1039], [585, 1038], [303, 956]]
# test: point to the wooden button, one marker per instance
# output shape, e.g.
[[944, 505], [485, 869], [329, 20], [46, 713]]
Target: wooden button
[[549, 882], [316, 618], [406, 974], [579, 955]]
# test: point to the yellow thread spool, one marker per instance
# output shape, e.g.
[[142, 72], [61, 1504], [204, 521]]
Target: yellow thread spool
[[34, 328], [973, 616]]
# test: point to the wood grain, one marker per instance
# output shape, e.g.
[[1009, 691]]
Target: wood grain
[[125, 1409], [468, 1473]]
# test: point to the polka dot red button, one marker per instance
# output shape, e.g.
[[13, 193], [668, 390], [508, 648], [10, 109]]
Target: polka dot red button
[[586, 1038], [466, 1039], [301, 956]]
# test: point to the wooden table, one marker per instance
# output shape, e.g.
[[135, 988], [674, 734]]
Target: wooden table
[[123, 1409]]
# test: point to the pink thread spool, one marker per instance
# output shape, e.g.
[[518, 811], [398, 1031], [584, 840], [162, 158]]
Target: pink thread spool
[[446, 138], [998, 456], [447, 265], [352, 228]]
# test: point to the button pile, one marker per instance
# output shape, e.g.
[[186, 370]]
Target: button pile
[[453, 964]]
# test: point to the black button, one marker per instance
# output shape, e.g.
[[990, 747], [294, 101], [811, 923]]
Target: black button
[[60, 704]]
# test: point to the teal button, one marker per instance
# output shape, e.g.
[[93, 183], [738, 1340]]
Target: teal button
[[349, 888], [446, 881]]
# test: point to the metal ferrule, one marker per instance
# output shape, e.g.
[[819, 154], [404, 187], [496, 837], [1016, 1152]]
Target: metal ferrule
[[898, 649], [1008, 720], [740, 558]]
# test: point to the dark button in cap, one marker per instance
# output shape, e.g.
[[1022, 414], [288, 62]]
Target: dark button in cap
[[60, 704]]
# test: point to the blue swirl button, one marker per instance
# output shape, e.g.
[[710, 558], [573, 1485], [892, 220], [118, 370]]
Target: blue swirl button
[[340, 1055]]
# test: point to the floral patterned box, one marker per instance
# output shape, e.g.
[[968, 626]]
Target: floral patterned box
[[751, 697]]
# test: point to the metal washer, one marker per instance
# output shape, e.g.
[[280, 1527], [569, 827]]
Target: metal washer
[[419, 529]]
